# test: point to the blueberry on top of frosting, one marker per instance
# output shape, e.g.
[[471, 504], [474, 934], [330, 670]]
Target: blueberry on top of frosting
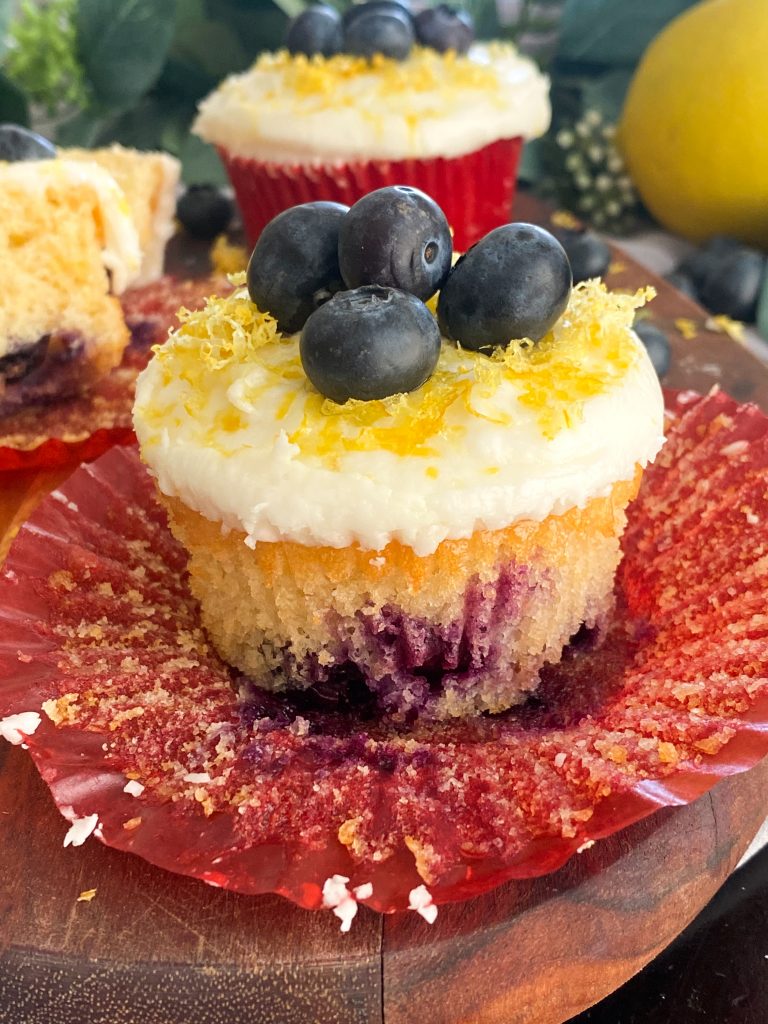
[[294, 267], [316, 30], [396, 237], [444, 28], [513, 284], [370, 343], [384, 27]]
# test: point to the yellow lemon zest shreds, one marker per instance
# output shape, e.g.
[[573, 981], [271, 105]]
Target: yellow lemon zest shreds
[[686, 327], [228, 258], [565, 219], [225, 331], [587, 351], [322, 80], [722, 324], [231, 357]]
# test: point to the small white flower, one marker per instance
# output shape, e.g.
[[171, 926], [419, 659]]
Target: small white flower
[[565, 138], [614, 163], [603, 182]]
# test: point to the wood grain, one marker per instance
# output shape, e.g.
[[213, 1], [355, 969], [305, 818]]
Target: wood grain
[[154, 948]]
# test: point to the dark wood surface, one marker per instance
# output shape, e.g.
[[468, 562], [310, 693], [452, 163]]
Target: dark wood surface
[[153, 948]]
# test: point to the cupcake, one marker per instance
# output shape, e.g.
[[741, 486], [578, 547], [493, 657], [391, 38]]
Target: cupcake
[[379, 99], [373, 508]]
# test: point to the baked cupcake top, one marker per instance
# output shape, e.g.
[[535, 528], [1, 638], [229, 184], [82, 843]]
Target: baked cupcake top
[[293, 108], [229, 423]]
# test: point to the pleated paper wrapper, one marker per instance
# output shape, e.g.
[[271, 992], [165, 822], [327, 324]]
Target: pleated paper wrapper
[[475, 190], [143, 737]]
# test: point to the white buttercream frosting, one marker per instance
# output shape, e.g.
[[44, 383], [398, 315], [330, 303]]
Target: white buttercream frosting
[[291, 109], [121, 251], [248, 442]]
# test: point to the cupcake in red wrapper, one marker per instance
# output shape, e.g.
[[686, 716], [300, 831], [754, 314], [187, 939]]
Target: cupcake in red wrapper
[[294, 129], [435, 547], [139, 730]]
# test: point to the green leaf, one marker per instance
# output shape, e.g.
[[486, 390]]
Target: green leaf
[[122, 45], [291, 7], [258, 24], [210, 45], [614, 32], [200, 163], [84, 129], [13, 102], [606, 92], [6, 10]]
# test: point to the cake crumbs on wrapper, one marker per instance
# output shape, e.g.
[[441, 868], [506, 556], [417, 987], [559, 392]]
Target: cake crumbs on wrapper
[[86, 896], [343, 901], [587, 845], [15, 728], [420, 900], [81, 829], [133, 788]]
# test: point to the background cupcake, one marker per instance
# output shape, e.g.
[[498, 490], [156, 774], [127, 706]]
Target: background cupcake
[[373, 99]]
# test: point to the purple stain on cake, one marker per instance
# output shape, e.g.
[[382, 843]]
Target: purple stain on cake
[[409, 667]]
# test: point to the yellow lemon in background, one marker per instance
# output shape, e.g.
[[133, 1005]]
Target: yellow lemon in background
[[694, 129]]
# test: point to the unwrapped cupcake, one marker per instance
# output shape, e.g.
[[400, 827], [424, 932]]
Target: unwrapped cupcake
[[374, 99], [426, 512]]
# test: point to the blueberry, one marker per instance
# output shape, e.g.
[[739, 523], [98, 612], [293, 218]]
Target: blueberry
[[514, 283], [316, 30], [396, 237], [656, 344], [732, 285], [380, 28], [587, 253], [204, 211], [351, 13], [699, 263], [294, 267], [683, 282], [444, 28], [370, 343], [17, 143]]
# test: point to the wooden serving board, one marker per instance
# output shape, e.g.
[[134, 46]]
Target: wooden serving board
[[155, 948]]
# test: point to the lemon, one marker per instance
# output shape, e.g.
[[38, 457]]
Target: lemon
[[694, 129]]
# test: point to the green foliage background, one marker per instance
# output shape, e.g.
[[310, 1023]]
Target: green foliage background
[[89, 72]]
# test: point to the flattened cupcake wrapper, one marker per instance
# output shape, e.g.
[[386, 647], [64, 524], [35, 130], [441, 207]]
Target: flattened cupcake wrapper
[[65, 432], [475, 190], [142, 736]]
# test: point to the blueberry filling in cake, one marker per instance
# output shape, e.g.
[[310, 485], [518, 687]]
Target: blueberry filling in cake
[[396, 470]]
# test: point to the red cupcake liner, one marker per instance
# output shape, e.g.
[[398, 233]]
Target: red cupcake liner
[[476, 190], [95, 613], [80, 429]]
